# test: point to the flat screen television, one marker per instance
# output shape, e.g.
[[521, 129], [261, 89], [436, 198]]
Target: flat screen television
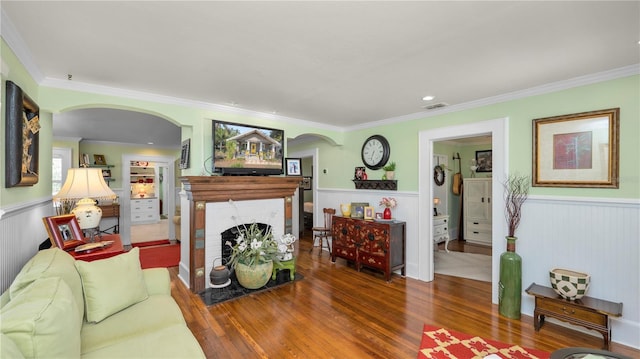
[[240, 149]]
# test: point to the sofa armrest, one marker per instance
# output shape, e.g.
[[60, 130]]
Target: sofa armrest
[[157, 281]]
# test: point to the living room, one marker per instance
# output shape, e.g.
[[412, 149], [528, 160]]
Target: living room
[[593, 230]]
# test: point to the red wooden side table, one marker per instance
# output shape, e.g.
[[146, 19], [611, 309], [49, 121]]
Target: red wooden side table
[[101, 253]]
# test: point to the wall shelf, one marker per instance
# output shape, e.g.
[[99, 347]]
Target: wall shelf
[[388, 185]]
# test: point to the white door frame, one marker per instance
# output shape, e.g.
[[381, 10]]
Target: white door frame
[[498, 129], [125, 198]]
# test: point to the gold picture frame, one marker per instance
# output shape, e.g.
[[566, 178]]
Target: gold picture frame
[[577, 150], [99, 160]]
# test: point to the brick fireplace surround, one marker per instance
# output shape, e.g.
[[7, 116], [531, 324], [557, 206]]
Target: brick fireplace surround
[[201, 190]]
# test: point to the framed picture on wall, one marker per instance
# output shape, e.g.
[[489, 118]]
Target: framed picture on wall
[[184, 154], [293, 166], [577, 150], [99, 160], [484, 161], [22, 133]]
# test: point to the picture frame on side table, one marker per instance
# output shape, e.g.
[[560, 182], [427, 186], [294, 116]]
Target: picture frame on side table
[[293, 166], [484, 161], [577, 150], [369, 212], [64, 231], [22, 134]]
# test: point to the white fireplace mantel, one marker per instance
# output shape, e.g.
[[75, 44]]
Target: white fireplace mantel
[[201, 190]]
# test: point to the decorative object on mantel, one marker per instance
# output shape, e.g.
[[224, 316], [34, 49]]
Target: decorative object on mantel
[[516, 191], [357, 209], [359, 173], [569, 284], [388, 203], [385, 185], [389, 173]]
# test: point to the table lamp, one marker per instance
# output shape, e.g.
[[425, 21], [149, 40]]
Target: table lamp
[[79, 195], [436, 202]]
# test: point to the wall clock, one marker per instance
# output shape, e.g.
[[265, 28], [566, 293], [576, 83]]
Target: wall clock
[[375, 152]]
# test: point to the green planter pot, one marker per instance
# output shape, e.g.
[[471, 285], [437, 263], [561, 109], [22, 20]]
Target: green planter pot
[[254, 277], [510, 285]]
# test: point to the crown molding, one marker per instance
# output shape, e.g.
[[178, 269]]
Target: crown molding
[[17, 44], [170, 100], [533, 91]]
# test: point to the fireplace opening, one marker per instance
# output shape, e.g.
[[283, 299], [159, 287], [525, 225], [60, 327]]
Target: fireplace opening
[[231, 235]]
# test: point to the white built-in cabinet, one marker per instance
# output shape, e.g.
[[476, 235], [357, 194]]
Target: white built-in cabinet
[[145, 206], [477, 210]]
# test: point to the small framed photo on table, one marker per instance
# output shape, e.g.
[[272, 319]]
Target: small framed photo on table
[[369, 212], [293, 166], [64, 231]]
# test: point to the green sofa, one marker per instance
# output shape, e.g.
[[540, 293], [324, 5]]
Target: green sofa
[[58, 307]]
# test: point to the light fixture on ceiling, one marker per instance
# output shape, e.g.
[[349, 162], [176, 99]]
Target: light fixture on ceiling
[[428, 98], [149, 143]]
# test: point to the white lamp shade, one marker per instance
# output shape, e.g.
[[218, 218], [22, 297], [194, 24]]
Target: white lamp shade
[[84, 183]]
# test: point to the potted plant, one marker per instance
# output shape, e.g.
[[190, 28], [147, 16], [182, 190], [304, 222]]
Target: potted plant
[[252, 256], [389, 169], [516, 191]]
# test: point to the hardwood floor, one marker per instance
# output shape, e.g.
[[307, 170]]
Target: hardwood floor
[[337, 312]]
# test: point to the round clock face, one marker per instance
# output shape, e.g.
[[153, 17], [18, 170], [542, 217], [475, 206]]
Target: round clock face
[[375, 152]]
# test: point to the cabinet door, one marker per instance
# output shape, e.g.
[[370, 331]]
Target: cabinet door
[[375, 245], [344, 233], [477, 199]]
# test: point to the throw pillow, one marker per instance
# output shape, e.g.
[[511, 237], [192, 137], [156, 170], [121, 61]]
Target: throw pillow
[[41, 321], [111, 285]]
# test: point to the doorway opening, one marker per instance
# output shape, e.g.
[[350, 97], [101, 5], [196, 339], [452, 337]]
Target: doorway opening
[[498, 130]]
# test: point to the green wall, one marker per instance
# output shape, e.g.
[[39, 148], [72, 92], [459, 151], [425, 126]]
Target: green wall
[[18, 74], [339, 151], [403, 137]]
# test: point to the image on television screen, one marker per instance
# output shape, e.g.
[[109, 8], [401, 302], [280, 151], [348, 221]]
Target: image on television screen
[[247, 149]]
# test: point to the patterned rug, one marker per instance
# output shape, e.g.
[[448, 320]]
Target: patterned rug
[[445, 343]]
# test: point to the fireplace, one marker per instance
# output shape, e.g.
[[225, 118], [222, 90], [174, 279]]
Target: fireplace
[[213, 204]]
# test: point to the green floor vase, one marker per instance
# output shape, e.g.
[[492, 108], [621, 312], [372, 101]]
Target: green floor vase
[[510, 285]]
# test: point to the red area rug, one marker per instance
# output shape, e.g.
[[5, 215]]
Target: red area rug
[[160, 256], [445, 343], [151, 243]]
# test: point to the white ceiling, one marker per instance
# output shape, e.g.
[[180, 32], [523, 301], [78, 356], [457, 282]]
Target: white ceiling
[[338, 64]]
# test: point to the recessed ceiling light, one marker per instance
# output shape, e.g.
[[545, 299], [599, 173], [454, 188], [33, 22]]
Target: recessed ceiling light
[[428, 98]]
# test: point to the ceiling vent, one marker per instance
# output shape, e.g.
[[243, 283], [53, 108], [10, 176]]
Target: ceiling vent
[[436, 105]]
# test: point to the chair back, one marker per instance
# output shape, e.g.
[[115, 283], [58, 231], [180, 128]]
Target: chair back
[[328, 216]]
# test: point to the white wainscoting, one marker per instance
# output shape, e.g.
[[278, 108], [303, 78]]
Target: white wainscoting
[[600, 237], [21, 232]]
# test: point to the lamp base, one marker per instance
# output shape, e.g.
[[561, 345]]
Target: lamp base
[[92, 234]]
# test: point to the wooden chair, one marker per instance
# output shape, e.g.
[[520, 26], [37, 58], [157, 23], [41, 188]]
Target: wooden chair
[[323, 233]]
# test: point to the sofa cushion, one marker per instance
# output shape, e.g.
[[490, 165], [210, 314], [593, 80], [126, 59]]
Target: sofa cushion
[[174, 341], [48, 263], [157, 311], [112, 284], [9, 349], [39, 320]]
